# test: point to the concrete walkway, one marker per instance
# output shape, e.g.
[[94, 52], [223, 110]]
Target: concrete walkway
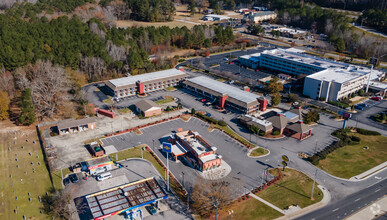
[[267, 203], [368, 173]]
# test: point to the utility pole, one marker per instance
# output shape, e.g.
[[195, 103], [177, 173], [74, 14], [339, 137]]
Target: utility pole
[[369, 78], [153, 141], [314, 181], [167, 171]]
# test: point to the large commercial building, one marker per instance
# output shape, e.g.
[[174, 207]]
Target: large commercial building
[[325, 79], [148, 82], [334, 84], [226, 95]]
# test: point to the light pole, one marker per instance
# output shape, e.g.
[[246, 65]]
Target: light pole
[[216, 205], [153, 146], [314, 181]]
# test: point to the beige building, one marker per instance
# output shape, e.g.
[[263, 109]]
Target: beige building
[[257, 17], [144, 83], [148, 108], [72, 126]]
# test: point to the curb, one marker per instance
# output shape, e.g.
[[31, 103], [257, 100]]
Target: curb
[[251, 150]]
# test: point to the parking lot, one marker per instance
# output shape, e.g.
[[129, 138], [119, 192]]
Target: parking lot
[[246, 172], [223, 59]]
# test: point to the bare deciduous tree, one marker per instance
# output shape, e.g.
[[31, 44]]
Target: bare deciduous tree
[[116, 52], [211, 194], [93, 65], [7, 83], [48, 83]]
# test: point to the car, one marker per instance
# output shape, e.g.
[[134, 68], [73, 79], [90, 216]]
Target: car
[[359, 107], [104, 176], [73, 177], [376, 98], [363, 105], [225, 58], [66, 181], [208, 115], [203, 100], [152, 209]]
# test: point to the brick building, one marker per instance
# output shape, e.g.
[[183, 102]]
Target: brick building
[[148, 82], [72, 126], [148, 108], [226, 95]]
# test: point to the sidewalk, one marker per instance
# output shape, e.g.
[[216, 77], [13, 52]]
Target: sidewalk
[[369, 172], [267, 203], [372, 211]]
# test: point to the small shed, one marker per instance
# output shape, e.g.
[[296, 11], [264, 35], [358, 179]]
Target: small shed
[[148, 108], [72, 126]]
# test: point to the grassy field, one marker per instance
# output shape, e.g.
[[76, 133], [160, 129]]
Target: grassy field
[[250, 210], [171, 88], [108, 100], [228, 130], [257, 152], [57, 178], [352, 160], [124, 110], [23, 180], [294, 188], [167, 99]]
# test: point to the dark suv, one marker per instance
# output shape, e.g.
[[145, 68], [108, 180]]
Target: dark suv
[[73, 177]]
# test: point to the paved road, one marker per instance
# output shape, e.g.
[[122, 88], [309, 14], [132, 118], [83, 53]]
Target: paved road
[[350, 204]]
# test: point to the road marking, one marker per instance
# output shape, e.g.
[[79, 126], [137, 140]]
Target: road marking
[[377, 190], [334, 210], [357, 199]]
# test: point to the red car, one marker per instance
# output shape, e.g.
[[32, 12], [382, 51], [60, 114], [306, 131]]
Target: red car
[[376, 98], [203, 100]]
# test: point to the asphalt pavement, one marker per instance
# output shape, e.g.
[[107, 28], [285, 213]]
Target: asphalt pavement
[[350, 204]]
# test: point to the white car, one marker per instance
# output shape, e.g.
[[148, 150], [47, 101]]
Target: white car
[[104, 176]]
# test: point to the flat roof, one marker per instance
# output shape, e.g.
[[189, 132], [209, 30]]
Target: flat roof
[[178, 149], [146, 77], [125, 197], [99, 160], [224, 88], [337, 75], [209, 157], [217, 16], [290, 115], [263, 13], [290, 30], [264, 123], [378, 85], [303, 58]]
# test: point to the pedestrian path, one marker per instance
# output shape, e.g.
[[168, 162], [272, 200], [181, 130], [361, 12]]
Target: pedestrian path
[[369, 172], [267, 203]]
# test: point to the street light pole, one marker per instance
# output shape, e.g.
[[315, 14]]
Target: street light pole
[[314, 181]]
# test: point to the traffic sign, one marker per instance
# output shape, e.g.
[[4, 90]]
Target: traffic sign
[[167, 147], [284, 163], [285, 158]]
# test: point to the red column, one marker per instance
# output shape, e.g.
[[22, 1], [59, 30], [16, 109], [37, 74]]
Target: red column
[[222, 100], [140, 88], [310, 132], [262, 104]]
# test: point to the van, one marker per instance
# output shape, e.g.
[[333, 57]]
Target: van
[[104, 176]]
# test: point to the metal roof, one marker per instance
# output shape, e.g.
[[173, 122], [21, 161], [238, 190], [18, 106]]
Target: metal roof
[[145, 105], [146, 77], [99, 160], [74, 123], [224, 88], [125, 197]]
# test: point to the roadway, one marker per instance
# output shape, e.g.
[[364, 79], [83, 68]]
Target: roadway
[[350, 204]]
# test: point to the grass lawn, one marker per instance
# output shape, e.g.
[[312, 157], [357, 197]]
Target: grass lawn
[[228, 130], [250, 209], [220, 80], [167, 99], [108, 100], [352, 160], [124, 110], [23, 180], [135, 152], [257, 152], [57, 177], [171, 88], [294, 188]]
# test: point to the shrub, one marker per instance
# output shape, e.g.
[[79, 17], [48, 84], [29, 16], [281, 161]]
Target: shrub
[[262, 133], [222, 123], [367, 132], [276, 132], [355, 139]]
